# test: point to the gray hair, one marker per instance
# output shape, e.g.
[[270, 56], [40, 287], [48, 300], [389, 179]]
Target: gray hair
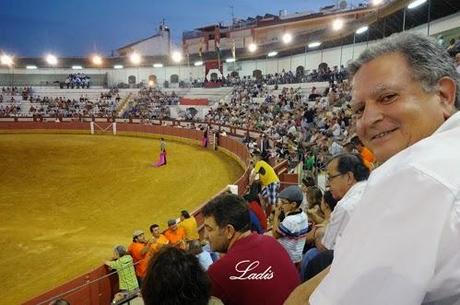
[[428, 61]]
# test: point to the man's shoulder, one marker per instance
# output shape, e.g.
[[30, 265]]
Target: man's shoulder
[[134, 246]]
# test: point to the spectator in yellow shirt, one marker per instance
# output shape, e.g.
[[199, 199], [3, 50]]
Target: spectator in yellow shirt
[[268, 178], [190, 226]]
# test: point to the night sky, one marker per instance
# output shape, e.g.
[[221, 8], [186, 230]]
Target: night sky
[[79, 28]]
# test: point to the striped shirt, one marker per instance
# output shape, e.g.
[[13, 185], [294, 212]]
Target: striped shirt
[[293, 229]]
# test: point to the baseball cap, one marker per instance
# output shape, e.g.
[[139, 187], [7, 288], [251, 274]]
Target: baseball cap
[[292, 193], [137, 233], [171, 222]]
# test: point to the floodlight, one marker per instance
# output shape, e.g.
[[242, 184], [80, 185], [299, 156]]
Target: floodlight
[[135, 58], [51, 59], [77, 67], [287, 37], [362, 29], [151, 83], [6, 60], [337, 24], [31, 67], [97, 60], [198, 63], [272, 54], [176, 56], [314, 44], [415, 4], [252, 47], [118, 67], [377, 2], [158, 65], [231, 59]]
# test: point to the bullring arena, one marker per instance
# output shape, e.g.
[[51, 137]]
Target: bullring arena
[[67, 198], [79, 136]]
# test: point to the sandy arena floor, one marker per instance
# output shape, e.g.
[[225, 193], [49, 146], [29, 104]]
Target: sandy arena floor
[[66, 200]]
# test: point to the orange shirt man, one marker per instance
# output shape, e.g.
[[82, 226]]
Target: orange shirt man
[[138, 250], [158, 240], [175, 234]]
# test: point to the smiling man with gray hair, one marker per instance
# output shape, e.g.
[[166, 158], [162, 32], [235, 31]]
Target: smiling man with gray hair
[[402, 246]]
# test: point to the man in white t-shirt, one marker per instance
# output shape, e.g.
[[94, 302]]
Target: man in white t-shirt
[[402, 246]]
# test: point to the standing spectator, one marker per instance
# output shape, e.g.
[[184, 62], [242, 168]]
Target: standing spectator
[[138, 249], [291, 231], [176, 277], [157, 241], [127, 281], [268, 178], [175, 234], [255, 269], [188, 223]]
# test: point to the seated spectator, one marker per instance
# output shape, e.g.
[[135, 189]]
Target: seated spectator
[[176, 277], [314, 196], [347, 176], [122, 262], [188, 223], [252, 197], [204, 257], [315, 235], [175, 234], [366, 154], [291, 227], [255, 269]]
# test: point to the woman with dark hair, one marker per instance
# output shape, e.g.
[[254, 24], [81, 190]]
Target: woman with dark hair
[[256, 211], [175, 277]]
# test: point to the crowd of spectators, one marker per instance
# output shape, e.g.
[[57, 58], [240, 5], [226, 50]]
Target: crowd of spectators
[[76, 80], [151, 103], [324, 73], [103, 107], [25, 92]]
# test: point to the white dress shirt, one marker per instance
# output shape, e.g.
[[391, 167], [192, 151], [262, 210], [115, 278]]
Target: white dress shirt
[[342, 214], [403, 245]]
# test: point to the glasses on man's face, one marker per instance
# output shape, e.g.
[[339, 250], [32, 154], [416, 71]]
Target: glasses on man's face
[[329, 178]]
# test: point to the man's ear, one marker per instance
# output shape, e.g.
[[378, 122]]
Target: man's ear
[[351, 178], [447, 93], [229, 231]]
